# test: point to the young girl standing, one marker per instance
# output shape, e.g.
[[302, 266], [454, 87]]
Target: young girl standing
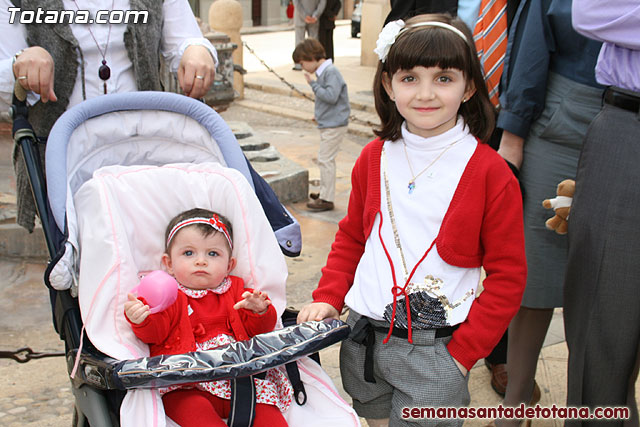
[[431, 205]]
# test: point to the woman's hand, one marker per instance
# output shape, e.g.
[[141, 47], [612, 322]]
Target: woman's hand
[[34, 71], [317, 311], [196, 71], [511, 148], [135, 310], [255, 301]]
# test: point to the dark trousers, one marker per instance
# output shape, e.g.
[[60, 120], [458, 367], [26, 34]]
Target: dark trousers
[[498, 355], [601, 293], [325, 37]]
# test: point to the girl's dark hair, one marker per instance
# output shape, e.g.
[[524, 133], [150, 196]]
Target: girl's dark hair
[[308, 50], [434, 47], [205, 229]]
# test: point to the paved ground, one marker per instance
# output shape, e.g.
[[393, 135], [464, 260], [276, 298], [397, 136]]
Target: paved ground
[[38, 393]]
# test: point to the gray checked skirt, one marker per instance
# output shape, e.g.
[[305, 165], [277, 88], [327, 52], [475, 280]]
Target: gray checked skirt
[[551, 153]]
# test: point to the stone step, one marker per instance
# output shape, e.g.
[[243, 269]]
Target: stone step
[[305, 89], [16, 242], [353, 128], [289, 180]]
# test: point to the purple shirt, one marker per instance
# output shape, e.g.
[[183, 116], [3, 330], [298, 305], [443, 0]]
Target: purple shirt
[[617, 24]]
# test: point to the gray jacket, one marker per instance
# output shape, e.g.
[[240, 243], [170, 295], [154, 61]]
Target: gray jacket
[[332, 107], [304, 8]]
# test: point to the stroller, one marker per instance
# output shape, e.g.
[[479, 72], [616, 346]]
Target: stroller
[[113, 181]]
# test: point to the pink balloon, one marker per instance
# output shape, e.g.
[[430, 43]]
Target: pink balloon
[[159, 289]]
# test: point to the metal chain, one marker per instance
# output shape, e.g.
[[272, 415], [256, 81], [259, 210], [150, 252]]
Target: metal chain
[[298, 91], [282, 79], [25, 354]]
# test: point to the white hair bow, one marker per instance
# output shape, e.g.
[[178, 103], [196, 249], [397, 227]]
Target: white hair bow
[[390, 33], [387, 37]]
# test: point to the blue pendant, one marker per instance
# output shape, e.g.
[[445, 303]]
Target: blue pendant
[[411, 186]]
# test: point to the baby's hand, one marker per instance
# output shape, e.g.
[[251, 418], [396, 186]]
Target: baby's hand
[[135, 310], [255, 301], [318, 311]]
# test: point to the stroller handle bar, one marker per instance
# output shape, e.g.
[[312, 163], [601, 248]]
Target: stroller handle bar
[[25, 139]]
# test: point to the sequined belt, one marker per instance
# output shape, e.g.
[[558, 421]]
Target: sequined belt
[[364, 333]]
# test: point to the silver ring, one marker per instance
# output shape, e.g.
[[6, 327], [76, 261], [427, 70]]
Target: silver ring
[[200, 77], [22, 78]]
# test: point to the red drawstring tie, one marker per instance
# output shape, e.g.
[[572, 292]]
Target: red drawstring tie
[[397, 290]]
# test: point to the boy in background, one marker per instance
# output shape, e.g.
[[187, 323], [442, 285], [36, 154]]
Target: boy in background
[[332, 111]]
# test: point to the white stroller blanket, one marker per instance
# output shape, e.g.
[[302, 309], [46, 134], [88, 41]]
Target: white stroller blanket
[[122, 213]]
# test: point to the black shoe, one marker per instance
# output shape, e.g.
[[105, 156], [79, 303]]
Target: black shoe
[[320, 205], [314, 196]]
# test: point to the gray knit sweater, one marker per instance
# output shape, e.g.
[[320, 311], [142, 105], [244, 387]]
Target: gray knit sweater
[[332, 107]]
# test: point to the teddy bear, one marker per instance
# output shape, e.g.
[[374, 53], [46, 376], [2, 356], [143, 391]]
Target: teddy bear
[[561, 204]]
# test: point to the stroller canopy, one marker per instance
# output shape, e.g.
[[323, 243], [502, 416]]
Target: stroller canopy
[[153, 128]]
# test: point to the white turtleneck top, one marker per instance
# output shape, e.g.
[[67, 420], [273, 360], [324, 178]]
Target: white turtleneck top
[[418, 217]]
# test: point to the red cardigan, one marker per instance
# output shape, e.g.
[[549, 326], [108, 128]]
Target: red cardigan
[[483, 227], [174, 331]]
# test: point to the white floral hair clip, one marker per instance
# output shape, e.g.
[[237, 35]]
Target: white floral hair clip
[[393, 29], [387, 37]]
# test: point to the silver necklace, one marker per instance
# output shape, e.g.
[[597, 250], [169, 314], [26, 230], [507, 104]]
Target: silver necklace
[[104, 72], [412, 182]]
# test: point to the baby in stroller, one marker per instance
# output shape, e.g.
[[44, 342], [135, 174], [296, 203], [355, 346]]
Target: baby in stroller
[[212, 308]]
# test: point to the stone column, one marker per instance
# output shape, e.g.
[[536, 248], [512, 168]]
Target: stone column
[[225, 16], [374, 13], [347, 9], [271, 12]]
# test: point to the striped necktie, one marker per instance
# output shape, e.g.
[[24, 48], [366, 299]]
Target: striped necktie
[[490, 37]]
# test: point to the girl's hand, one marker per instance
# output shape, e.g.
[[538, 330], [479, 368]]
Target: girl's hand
[[135, 310], [36, 64], [463, 370], [317, 311], [196, 71], [256, 301]]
